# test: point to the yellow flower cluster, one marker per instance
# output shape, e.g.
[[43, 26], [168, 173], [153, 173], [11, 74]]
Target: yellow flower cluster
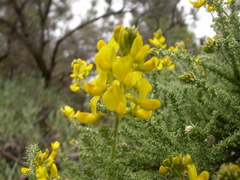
[[44, 163], [120, 83], [180, 165], [209, 6], [158, 40]]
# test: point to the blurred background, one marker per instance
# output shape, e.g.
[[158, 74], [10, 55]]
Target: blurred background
[[38, 41]]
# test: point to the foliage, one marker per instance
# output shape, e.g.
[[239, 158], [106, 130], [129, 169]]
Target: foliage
[[29, 114]]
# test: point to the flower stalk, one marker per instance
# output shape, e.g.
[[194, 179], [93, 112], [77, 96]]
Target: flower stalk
[[115, 137]]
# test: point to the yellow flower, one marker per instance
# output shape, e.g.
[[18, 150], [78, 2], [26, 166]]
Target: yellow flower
[[114, 99], [192, 173], [158, 40], [142, 114], [54, 171], [148, 104], [75, 86], [41, 173], [105, 58], [132, 78], [165, 62], [80, 69], [211, 8], [139, 51], [87, 118], [122, 67], [25, 170], [144, 87], [163, 170], [100, 44], [67, 112], [55, 146], [197, 3], [97, 86], [90, 118], [150, 64]]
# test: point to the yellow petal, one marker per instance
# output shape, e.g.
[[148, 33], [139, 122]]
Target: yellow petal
[[105, 57], [97, 85], [116, 32], [121, 67], [41, 173], [25, 170], [197, 3], [149, 104], [163, 170], [143, 114], [93, 104], [132, 78], [203, 176], [187, 159], [74, 87], [67, 111], [54, 171], [150, 64], [136, 46], [100, 44], [192, 172], [87, 118], [55, 146], [144, 87], [142, 53], [115, 100]]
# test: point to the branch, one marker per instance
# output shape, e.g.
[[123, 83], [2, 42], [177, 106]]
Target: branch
[[173, 23], [5, 55], [11, 157], [69, 33], [43, 14]]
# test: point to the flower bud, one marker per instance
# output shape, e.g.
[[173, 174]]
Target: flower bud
[[163, 170], [188, 77]]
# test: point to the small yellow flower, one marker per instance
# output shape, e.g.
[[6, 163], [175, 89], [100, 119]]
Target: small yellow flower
[[87, 118], [80, 69], [54, 171], [197, 3], [138, 50], [25, 170], [41, 173], [97, 86], [150, 64], [55, 146], [149, 104], [158, 40], [105, 58], [211, 8], [163, 170], [192, 173], [143, 114], [67, 112]]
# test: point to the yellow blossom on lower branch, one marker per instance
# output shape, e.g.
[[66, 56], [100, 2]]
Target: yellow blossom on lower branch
[[67, 112], [182, 166], [43, 166]]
